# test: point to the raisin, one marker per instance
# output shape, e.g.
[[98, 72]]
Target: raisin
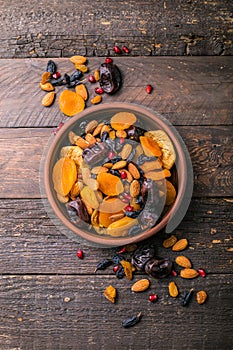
[[131, 321]]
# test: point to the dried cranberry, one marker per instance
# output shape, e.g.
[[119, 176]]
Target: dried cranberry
[[116, 268], [123, 250], [91, 78], [123, 174], [56, 75], [129, 208], [99, 90], [80, 254], [202, 272], [174, 273], [117, 49], [153, 297], [126, 49], [149, 88], [108, 60]]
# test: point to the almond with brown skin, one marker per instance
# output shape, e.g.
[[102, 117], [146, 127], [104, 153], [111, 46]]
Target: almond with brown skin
[[170, 241], [182, 261], [189, 273], [133, 171], [119, 165], [140, 285], [126, 150], [91, 126], [134, 188], [180, 245]]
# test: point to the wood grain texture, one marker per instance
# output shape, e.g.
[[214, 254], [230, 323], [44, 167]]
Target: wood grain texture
[[52, 29], [29, 237], [21, 153], [187, 91], [35, 312]]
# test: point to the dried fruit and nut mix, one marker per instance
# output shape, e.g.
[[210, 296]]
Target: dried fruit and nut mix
[[114, 177]]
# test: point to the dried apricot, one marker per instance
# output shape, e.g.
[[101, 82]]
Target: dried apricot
[[121, 227], [64, 175], [171, 193], [150, 147], [110, 184], [122, 120], [71, 103], [82, 91]]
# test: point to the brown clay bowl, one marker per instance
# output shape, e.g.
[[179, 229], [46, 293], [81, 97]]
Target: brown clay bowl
[[168, 221]]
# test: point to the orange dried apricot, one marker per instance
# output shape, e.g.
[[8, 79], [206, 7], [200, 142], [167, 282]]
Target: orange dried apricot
[[71, 103], [82, 91], [105, 218], [122, 120], [64, 175], [121, 227], [150, 147], [158, 175], [171, 193], [110, 184]]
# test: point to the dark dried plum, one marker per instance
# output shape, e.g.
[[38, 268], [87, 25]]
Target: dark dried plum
[[76, 76], [80, 208], [110, 77], [51, 67], [158, 267], [142, 255]]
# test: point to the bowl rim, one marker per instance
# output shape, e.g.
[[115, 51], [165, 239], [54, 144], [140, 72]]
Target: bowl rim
[[118, 241]]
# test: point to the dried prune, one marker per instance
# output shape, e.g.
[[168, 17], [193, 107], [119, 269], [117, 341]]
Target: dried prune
[[95, 153], [142, 255], [76, 76], [158, 267], [51, 67], [110, 78]]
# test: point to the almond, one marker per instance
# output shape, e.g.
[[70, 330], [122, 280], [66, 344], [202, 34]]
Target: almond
[[170, 241], [189, 273], [91, 126], [48, 99], [134, 171], [183, 261], [134, 188], [126, 151], [173, 290], [97, 129], [201, 297], [99, 169], [90, 139], [81, 142], [47, 87], [140, 285], [119, 165], [180, 245]]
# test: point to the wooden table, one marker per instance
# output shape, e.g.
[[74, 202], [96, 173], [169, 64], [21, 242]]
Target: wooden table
[[49, 298]]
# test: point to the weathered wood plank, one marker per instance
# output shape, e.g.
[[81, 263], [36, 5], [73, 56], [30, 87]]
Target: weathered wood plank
[[36, 312], [34, 244], [188, 91], [21, 153], [32, 29]]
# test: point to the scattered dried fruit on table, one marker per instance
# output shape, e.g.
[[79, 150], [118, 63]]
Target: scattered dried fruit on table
[[180, 245], [45, 77], [125, 49], [80, 254], [48, 99], [71, 103], [97, 74], [78, 59], [81, 67], [201, 297], [127, 266], [183, 261], [186, 297], [141, 285], [81, 90], [51, 67], [64, 175], [47, 87], [117, 49], [152, 298], [103, 264], [158, 267], [173, 290], [201, 272], [131, 321], [170, 241], [149, 89], [189, 273], [110, 293]]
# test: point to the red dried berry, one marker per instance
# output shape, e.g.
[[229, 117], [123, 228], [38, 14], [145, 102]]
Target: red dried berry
[[149, 88], [99, 90], [117, 50], [80, 254], [202, 272], [123, 174], [91, 78], [116, 268], [123, 250], [174, 273], [56, 75], [126, 49], [153, 297], [129, 208], [108, 60]]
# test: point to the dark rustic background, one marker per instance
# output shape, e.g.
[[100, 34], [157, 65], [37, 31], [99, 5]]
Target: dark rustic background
[[58, 28]]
